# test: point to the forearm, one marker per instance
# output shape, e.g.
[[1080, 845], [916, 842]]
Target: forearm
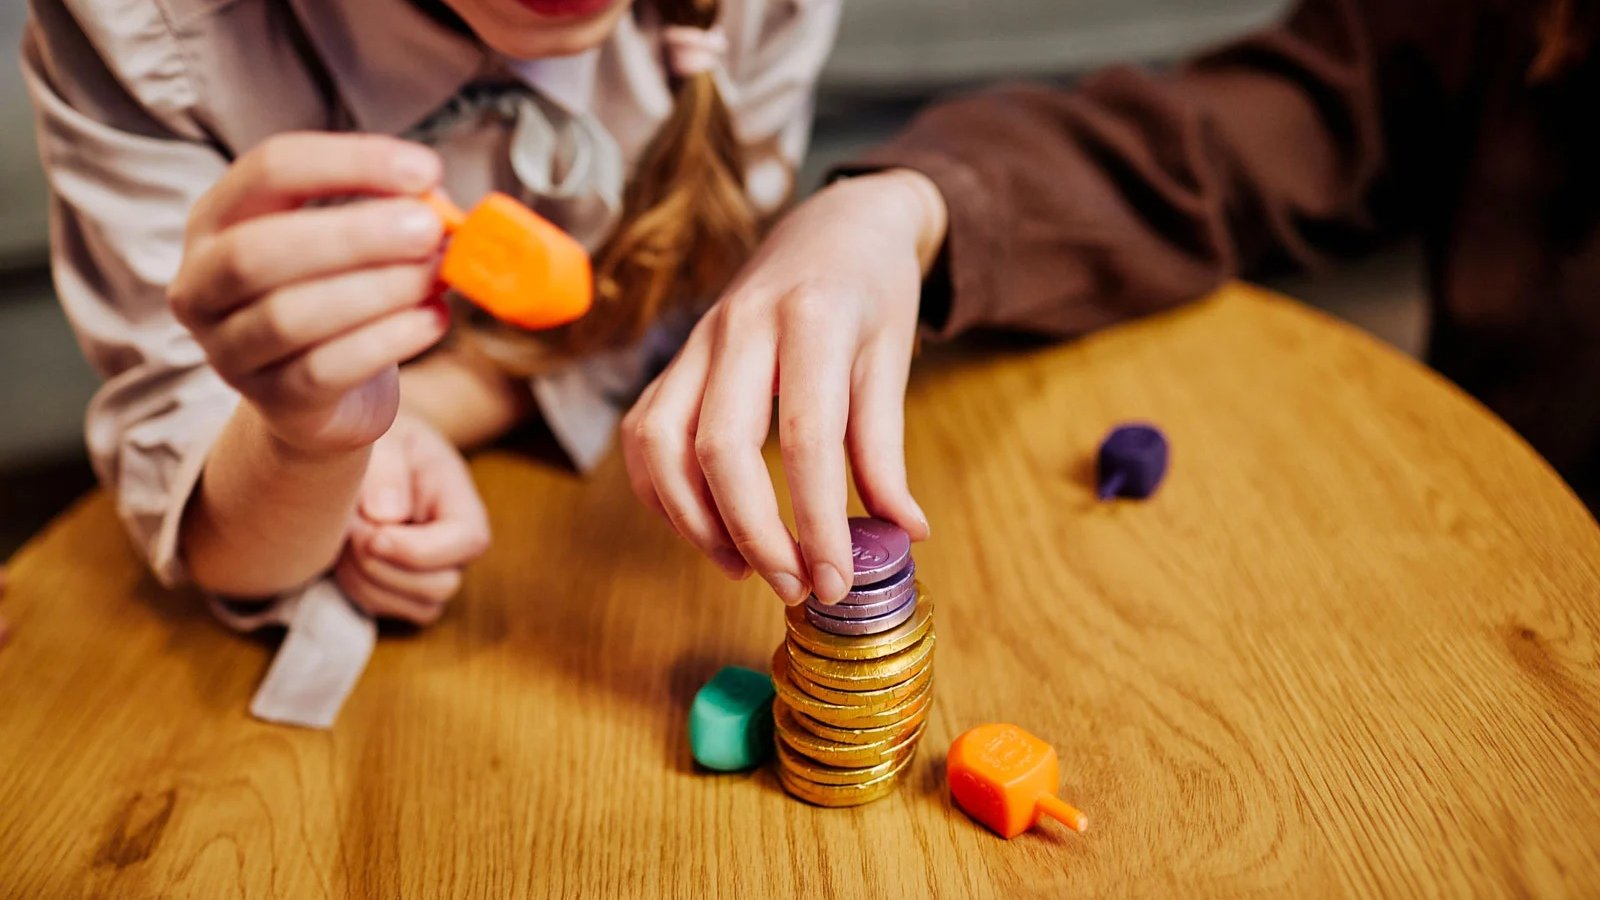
[[266, 517], [1071, 209], [466, 398]]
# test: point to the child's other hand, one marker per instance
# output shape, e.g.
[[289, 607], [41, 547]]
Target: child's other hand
[[307, 311], [418, 524], [825, 316]]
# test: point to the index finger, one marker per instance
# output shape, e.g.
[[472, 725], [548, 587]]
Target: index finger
[[442, 544], [813, 408], [286, 170]]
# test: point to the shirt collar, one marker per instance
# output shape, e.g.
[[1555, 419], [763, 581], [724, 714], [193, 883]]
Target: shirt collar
[[567, 81], [391, 63]]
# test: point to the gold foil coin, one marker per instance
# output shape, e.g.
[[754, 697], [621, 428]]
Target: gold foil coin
[[863, 646], [876, 699], [859, 736], [837, 795], [813, 771], [848, 716], [837, 753], [861, 674]]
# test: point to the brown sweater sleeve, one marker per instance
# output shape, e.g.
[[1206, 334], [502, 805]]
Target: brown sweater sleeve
[[1131, 192]]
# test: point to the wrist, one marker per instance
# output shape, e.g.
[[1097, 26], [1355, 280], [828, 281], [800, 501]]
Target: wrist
[[464, 397], [920, 205], [267, 513], [280, 450]]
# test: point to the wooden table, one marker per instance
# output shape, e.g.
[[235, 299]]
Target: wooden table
[[1351, 647]]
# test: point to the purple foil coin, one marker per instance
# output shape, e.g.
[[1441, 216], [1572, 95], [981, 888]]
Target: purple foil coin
[[888, 604], [881, 598], [868, 594], [873, 625], [879, 549]]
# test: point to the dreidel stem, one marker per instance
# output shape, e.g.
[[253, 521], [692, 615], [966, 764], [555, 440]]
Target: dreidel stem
[[1112, 485], [1063, 812], [448, 212]]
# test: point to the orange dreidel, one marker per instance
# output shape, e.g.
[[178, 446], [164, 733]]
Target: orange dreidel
[[1006, 778], [514, 263]]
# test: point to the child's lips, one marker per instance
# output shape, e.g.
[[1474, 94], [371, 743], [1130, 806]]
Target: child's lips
[[566, 9]]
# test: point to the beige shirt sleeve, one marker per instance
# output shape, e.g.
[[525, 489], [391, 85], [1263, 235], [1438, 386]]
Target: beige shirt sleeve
[[122, 181]]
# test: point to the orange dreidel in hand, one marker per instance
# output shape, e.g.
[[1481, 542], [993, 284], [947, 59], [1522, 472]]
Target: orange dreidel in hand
[[1006, 778], [513, 262]]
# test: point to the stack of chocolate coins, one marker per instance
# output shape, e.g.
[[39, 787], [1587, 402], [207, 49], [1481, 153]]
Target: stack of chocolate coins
[[855, 680]]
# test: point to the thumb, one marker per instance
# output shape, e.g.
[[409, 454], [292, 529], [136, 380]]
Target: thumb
[[386, 489]]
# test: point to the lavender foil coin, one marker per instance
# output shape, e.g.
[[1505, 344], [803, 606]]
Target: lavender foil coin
[[879, 549], [883, 597], [865, 595], [873, 625], [864, 611]]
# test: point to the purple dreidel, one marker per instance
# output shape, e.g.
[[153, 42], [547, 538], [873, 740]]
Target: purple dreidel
[[1132, 462]]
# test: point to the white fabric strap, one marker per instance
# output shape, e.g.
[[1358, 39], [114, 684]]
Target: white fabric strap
[[320, 660], [569, 162], [693, 51]]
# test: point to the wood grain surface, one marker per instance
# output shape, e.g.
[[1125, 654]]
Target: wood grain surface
[[1350, 649]]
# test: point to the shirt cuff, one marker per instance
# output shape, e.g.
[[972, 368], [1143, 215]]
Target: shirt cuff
[[320, 660], [160, 466]]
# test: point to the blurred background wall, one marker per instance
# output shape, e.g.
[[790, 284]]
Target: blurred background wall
[[893, 55]]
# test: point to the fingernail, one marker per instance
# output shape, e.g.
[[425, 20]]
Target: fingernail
[[383, 545], [828, 584], [419, 223], [440, 310], [922, 518], [788, 588], [416, 169], [731, 563]]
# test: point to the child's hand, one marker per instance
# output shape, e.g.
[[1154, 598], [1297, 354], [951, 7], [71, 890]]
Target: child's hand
[[826, 314], [308, 311], [419, 522]]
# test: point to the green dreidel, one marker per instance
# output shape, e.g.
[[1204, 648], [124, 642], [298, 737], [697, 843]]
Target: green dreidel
[[730, 721]]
